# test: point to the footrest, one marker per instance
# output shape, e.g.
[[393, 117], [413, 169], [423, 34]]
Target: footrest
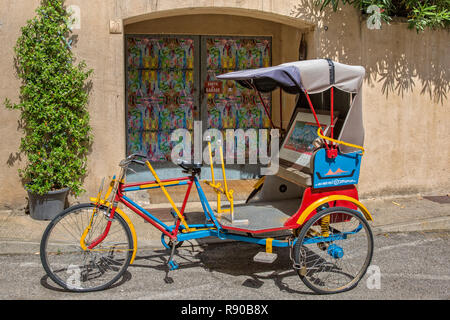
[[265, 257], [239, 222]]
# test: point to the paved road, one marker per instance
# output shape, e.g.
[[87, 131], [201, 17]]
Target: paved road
[[412, 265]]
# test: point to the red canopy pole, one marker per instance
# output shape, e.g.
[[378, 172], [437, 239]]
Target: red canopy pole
[[332, 118], [333, 152], [314, 114]]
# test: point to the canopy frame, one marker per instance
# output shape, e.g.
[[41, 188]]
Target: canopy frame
[[284, 77]]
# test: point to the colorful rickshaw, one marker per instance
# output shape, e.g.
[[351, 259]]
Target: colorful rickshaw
[[309, 205]]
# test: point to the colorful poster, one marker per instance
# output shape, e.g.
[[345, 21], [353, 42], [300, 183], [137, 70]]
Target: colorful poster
[[160, 89], [235, 106]]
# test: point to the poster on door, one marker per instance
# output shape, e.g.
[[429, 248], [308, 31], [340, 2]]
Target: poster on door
[[236, 107], [160, 93], [162, 89]]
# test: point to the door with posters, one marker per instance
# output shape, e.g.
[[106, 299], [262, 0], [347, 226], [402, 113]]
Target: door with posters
[[170, 83], [226, 104], [161, 92]]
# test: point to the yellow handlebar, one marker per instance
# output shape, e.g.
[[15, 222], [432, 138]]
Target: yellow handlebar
[[339, 142]]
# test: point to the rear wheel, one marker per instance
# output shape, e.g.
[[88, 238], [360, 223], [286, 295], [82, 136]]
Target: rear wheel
[[333, 250], [80, 270]]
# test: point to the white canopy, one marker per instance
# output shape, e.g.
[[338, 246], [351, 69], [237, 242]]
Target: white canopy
[[312, 76], [315, 75]]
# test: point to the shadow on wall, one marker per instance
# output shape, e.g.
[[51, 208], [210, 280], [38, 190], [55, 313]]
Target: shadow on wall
[[16, 157], [395, 56], [401, 60], [335, 31]]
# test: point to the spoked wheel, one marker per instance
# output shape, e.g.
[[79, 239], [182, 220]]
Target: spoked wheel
[[333, 250], [75, 269]]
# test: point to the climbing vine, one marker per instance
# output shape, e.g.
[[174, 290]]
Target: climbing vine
[[53, 102], [420, 14]]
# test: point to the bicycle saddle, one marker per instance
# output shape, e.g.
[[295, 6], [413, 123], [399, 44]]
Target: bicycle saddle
[[192, 168]]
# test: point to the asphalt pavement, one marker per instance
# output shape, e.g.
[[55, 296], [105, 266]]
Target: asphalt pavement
[[411, 265], [411, 256]]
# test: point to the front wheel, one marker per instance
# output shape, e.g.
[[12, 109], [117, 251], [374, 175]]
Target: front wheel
[[75, 269], [333, 250]]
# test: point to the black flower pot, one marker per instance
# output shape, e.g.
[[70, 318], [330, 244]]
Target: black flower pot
[[47, 206]]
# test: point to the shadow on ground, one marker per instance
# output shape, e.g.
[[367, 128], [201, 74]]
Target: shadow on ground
[[231, 258]]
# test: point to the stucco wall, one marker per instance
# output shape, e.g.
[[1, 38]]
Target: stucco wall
[[405, 92], [11, 188], [406, 110], [103, 52]]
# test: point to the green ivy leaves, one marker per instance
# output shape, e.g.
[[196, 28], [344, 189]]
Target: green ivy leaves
[[420, 14], [429, 14], [53, 100]]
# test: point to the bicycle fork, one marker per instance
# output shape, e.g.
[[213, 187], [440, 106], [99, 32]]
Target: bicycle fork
[[113, 187]]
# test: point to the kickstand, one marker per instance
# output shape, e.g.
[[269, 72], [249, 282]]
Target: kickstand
[[172, 265], [168, 279]]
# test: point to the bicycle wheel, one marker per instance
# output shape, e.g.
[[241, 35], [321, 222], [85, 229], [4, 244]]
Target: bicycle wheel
[[75, 269], [333, 250]]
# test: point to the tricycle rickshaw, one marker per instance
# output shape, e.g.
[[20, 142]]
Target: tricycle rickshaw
[[310, 206]]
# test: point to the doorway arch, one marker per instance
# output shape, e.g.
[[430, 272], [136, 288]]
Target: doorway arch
[[284, 33]]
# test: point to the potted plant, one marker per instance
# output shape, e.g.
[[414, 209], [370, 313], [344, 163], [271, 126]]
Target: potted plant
[[53, 113]]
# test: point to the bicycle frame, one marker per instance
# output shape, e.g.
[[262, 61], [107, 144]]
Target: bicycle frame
[[170, 231], [181, 231], [188, 232]]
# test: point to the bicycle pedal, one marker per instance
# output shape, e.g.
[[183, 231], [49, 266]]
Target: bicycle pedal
[[173, 265], [265, 257]]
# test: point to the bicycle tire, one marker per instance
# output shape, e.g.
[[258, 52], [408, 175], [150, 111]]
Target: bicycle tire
[[78, 277], [313, 273]]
